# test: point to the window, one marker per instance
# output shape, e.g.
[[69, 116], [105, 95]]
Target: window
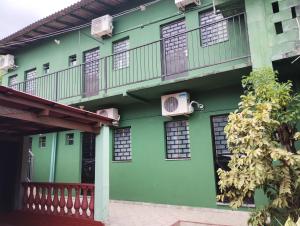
[[46, 68], [72, 60], [121, 60], [212, 31], [12, 81], [69, 138], [221, 153], [178, 139], [42, 141], [122, 144], [30, 81], [275, 7]]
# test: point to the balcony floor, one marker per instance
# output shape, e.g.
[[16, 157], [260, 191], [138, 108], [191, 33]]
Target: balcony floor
[[29, 219]]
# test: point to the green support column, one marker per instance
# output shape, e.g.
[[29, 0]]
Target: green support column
[[260, 43], [102, 175]]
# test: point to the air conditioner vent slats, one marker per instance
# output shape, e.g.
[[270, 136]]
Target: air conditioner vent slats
[[175, 104]]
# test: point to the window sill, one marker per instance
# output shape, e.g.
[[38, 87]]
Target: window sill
[[182, 159], [122, 161], [244, 205]]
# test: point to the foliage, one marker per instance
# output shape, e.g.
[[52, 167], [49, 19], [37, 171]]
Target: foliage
[[261, 135], [1, 75]]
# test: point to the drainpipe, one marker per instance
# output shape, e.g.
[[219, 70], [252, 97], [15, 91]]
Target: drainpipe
[[53, 158]]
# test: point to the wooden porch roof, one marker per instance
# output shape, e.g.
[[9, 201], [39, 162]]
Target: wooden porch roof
[[24, 114]]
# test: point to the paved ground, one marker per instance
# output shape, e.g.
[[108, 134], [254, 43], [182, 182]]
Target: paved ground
[[124, 213]]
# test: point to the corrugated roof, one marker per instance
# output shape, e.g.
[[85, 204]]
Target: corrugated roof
[[77, 14]]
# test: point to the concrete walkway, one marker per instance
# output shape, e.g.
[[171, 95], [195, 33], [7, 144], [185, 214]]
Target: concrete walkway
[[123, 213]]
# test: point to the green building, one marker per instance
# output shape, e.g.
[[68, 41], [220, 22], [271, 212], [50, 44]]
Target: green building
[[199, 52]]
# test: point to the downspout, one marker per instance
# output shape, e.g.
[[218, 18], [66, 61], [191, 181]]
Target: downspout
[[53, 158]]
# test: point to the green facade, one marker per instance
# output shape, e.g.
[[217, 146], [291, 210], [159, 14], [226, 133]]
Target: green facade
[[213, 80]]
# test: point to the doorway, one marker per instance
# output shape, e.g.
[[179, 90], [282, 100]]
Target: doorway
[[10, 163], [91, 72], [174, 48], [88, 158]]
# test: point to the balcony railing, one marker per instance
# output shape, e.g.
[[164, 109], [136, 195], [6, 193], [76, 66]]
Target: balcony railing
[[157, 60]]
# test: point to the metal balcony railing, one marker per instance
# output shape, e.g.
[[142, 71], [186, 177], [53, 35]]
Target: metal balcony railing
[[163, 59]]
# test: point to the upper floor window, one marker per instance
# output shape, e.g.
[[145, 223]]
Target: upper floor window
[[121, 54], [46, 68], [213, 28], [30, 81], [72, 60], [12, 80], [178, 140]]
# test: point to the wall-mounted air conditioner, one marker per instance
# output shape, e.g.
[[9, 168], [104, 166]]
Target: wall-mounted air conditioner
[[6, 62], [111, 113], [102, 26], [181, 4], [175, 104]]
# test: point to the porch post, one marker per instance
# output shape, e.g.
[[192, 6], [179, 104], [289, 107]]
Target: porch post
[[102, 175]]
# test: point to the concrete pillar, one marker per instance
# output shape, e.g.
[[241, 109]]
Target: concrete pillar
[[53, 158], [102, 175], [260, 42]]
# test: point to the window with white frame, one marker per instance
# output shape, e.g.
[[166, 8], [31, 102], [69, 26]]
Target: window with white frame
[[69, 138], [121, 54], [214, 28], [12, 81]]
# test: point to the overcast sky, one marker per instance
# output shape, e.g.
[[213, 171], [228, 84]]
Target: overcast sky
[[16, 14]]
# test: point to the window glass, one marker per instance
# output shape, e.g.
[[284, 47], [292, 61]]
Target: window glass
[[122, 144], [178, 139], [69, 138], [42, 141], [213, 28], [72, 60], [12, 81], [46, 68], [121, 60]]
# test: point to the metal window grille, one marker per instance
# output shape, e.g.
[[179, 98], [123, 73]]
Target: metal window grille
[[220, 141], [69, 138], [122, 144], [212, 31], [178, 139], [12, 80], [174, 45], [42, 141], [46, 68], [72, 60], [30, 82], [121, 55]]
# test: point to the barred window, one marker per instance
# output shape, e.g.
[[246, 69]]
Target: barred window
[[222, 155], [212, 31], [46, 68], [121, 60], [122, 144], [178, 139], [69, 138], [12, 80], [42, 141], [30, 81]]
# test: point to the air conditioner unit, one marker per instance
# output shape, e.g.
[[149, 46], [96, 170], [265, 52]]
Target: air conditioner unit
[[175, 104], [6, 62], [111, 113], [102, 26], [181, 4]]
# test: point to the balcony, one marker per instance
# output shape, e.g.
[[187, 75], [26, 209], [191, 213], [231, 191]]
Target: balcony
[[185, 55]]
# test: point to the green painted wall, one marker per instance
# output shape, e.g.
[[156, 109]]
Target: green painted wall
[[149, 177], [142, 27], [67, 163]]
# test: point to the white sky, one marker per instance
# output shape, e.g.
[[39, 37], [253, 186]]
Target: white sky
[[16, 14]]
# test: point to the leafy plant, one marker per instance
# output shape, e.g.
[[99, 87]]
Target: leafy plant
[[261, 135]]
